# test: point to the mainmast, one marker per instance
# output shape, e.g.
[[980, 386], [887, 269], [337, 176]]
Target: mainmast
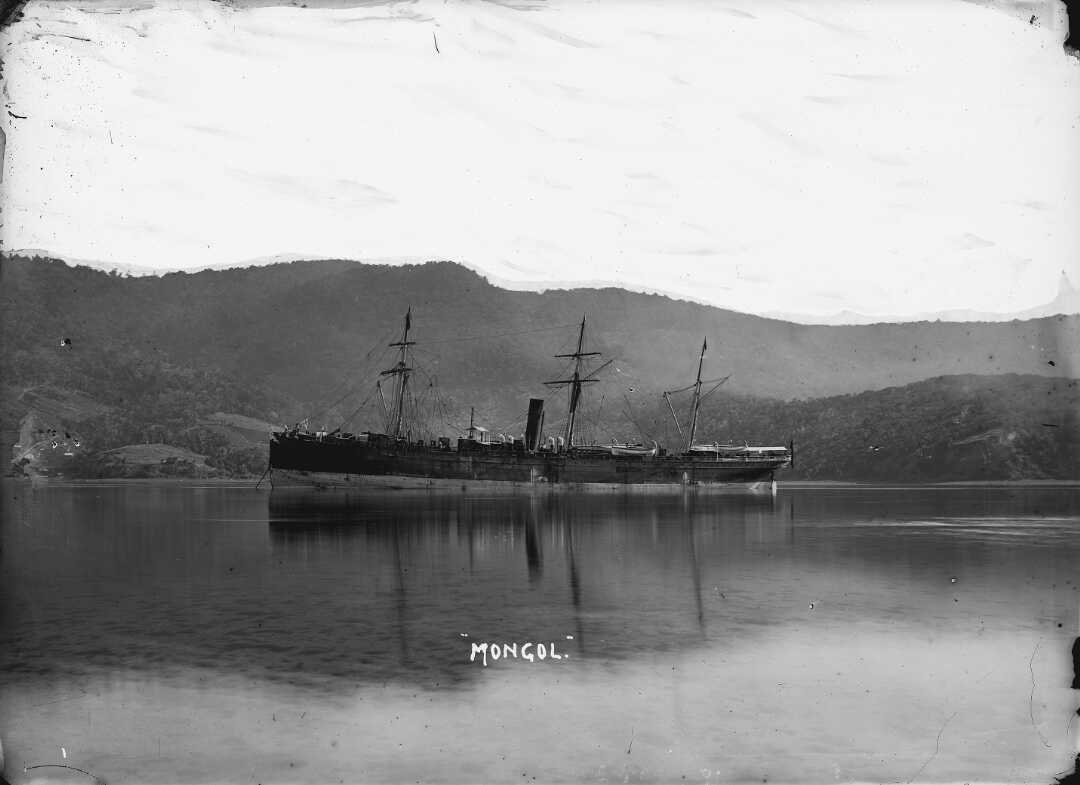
[[697, 396], [575, 382], [401, 376]]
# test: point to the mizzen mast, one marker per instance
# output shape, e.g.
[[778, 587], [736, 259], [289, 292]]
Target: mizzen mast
[[697, 396], [400, 372]]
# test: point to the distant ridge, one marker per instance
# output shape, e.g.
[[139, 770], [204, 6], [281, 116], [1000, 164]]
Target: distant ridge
[[299, 327], [138, 271], [1066, 302]]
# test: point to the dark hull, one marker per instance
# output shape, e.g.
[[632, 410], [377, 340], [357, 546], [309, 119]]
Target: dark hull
[[348, 462]]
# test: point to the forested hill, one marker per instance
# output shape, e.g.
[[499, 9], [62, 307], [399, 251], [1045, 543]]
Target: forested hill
[[947, 429], [302, 327], [207, 361]]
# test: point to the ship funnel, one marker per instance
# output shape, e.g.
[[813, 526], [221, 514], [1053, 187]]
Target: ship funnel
[[534, 424]]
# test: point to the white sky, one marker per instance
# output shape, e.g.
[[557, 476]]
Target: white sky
[[885, 157]]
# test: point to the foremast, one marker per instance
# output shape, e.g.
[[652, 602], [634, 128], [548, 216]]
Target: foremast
[[400, 372]]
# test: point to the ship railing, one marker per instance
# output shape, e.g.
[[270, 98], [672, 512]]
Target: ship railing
[[746, 457]]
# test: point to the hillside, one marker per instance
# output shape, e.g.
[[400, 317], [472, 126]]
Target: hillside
[[302, 327], [951, 428], [206, 362]]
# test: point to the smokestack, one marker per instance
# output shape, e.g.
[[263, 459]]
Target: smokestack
[[534, 424]]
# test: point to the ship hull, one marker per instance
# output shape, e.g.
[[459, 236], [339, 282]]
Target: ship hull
[[289, 478], [354, 464]]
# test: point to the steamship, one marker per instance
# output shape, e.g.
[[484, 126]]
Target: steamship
[[391, 459]]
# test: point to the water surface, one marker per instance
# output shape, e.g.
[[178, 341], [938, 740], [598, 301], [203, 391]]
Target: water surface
[[168, 633]]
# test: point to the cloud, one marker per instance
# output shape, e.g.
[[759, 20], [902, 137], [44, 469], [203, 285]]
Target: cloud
[[971, 242], [836, 150], [339, 189]]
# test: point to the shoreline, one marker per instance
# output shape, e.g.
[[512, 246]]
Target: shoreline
[[781, 484]]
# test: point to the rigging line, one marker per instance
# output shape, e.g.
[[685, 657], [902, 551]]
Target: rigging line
[[434, 415], [703, 381], [500, 335], [382, 405], [441, 403], [515, 425], [597, 422], [356, 411], [419, 349], [569, 366], [326, 409], [350, 379], [437, 401], [629, 414], [417, 354], [421, 400], [714, 389], [597, 370], [453, 422], [320, 412], [367, 357], [432, 380]]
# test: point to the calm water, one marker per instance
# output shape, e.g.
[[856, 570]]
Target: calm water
[[161, 633]]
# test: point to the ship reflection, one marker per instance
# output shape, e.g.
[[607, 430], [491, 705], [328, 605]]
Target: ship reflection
[[534, 551], [695, 567], [606, 577]]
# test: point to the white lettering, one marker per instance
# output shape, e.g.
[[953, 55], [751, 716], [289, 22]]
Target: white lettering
[[482, 648], [528, 651]]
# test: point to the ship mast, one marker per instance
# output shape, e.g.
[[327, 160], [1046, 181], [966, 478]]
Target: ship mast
[[697, 396], [575, 382], [401, 373]]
